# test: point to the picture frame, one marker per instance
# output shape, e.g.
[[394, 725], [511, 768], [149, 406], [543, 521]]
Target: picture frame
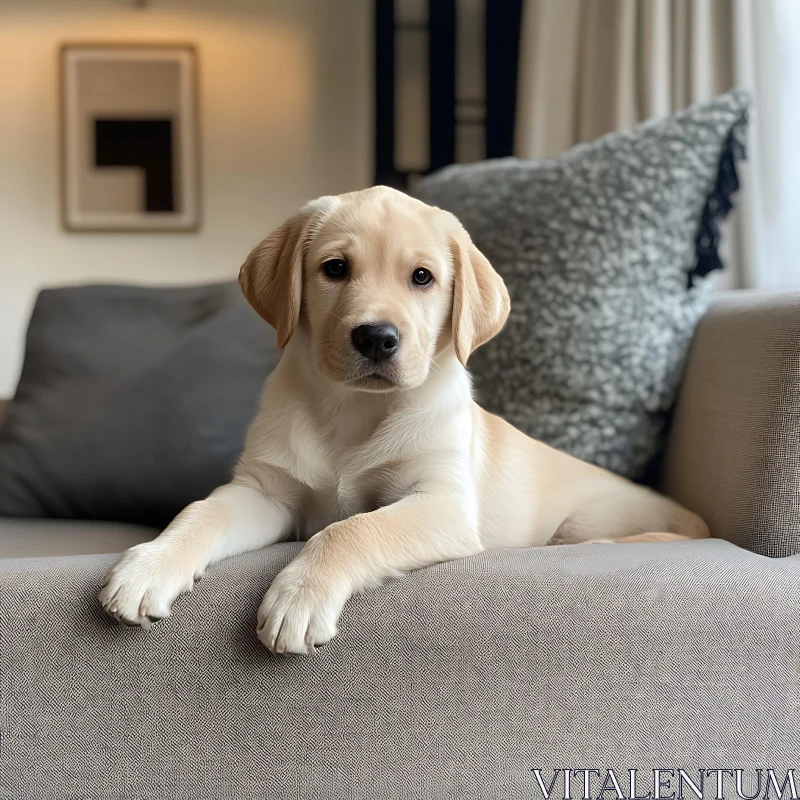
[[130, 150]]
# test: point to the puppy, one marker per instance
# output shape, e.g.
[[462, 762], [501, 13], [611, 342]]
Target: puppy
[[367, 443]]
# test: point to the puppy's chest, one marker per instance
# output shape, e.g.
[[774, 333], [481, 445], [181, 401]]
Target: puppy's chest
[[346, 492], [348, 481], [348, 464]]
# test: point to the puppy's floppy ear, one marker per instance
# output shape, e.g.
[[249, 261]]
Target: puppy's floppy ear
[[272, 276], [480, 298]]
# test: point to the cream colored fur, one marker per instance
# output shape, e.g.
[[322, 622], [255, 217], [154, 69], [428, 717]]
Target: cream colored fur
[[380, 469]]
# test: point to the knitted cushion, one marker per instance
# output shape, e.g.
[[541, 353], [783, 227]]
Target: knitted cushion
[[603, 250]]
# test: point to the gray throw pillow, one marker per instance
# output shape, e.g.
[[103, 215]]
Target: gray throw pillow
[[133, 401], [603, 250]]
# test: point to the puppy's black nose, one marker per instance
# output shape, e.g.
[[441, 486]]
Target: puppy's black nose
[[376, 342]]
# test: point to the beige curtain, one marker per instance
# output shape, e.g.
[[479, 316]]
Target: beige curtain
[[588, 67], [592, 66]]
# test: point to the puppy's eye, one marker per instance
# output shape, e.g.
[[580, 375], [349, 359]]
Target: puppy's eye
[[335, 268], [421, 277]]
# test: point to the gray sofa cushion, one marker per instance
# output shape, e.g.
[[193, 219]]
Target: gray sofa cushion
[[455, 681], [596, 248], [132, 402], [29, 538]]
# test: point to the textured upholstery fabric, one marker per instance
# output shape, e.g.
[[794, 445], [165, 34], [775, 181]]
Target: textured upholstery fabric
[[734, 448], [453, 682], [133, 401], [596, 247], [26, 538]]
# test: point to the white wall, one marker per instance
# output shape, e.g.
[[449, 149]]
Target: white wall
[[285, 115]]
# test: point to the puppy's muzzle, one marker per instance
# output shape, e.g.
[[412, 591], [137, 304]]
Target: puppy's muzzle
[[376, 341]]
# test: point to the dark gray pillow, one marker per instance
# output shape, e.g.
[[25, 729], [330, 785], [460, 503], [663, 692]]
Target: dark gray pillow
[[599, 249], [133, 401]]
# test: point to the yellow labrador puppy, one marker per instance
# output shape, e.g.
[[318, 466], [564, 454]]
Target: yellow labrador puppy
[[368, 444]]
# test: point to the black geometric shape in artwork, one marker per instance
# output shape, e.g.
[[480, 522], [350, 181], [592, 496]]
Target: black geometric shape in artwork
[[145, 143]]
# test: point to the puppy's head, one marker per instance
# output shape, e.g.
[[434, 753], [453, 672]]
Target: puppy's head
[[379, 284]]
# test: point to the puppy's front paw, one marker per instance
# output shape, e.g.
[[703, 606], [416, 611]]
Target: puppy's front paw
[[299, 611], [142, 586]]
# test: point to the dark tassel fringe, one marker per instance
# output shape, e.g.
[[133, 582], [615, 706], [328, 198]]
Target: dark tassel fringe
[[719, 203]]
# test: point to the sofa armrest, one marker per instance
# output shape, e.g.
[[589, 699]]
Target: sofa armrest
[[734, 449], [453, 681]]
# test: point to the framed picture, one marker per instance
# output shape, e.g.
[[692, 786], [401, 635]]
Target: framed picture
[[129, 142]]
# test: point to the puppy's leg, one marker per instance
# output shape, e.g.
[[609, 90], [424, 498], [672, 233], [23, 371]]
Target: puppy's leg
[[143, 584], [303, 604], [630, 514], [657, 536]]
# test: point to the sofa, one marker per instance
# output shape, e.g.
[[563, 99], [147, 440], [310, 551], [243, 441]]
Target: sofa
[[460, 680]]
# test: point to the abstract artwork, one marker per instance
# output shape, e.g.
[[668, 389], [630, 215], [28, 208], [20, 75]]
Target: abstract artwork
[[129, 140]]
